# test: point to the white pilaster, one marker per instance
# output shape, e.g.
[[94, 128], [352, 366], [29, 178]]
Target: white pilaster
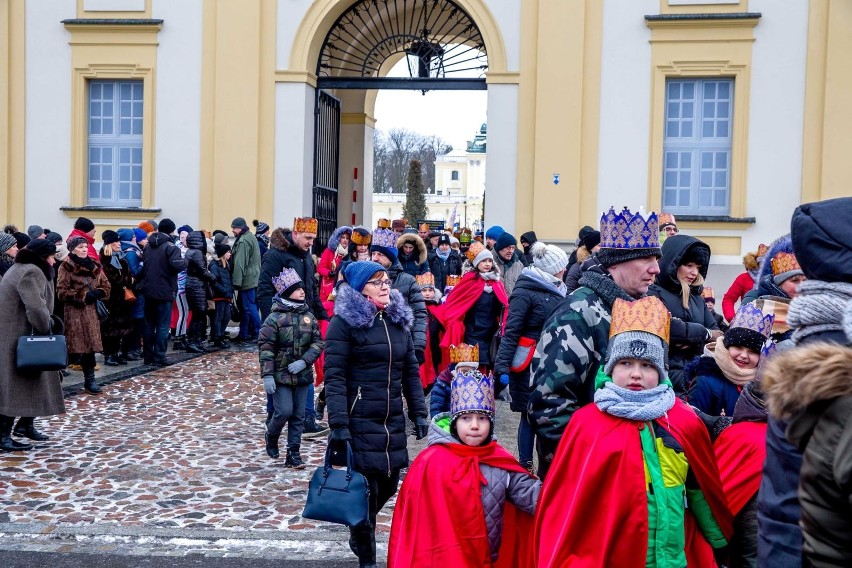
[[294, 152], [502, 154]]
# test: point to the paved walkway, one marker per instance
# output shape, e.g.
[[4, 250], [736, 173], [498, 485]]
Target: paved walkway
[[170, 462]]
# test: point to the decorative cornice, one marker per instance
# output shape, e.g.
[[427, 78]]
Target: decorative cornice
[[112, 22]]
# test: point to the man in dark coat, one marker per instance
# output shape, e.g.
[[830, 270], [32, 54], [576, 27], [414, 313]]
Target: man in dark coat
[[163, 262], [527, 240], [444, 261]]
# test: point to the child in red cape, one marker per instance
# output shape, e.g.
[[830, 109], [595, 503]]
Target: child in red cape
[[634, 481], [465, 501]]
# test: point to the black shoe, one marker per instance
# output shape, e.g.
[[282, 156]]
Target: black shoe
[[7, 444], [91, 386], [294, 460], [320, 409], [31, 433], [195, 348], [133, 355], [122, 359], [271, 446], [111, 361], [268, 418], [179, 344], [313, 430]]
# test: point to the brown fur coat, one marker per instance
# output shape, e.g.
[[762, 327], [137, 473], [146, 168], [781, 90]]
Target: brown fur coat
[[82, 327]]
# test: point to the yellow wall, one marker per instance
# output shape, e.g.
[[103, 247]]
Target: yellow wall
[[12, 111]]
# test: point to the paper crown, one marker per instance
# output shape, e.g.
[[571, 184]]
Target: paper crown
[[776, 307], [628, 230], [453, 280], [425, 280], [666, 219], [472, 391], [784, 262], [384, 238], [465, 235], [707, 293], [762, 249], [360, 238], [749, 316], [423, 227], [475, 248], [286, 279], [383, 223], [464, 352], [305, 225], [647, 314]]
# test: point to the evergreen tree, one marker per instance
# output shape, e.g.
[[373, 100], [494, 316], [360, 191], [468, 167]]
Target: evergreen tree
[[414, 209]]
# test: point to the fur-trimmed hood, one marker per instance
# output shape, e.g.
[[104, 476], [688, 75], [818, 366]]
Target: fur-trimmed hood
[[280, 239], [419, 246], [357, 311], [781, 244], [802, 376], [334, 239]]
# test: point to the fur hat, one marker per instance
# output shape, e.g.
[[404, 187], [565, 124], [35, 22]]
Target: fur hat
[[505, 240], [358, 273], [83, 224], [398, 225], [41, 247], [109, 237], [548, 258]]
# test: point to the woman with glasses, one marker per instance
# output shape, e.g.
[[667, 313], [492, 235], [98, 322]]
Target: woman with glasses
[[369, 366]]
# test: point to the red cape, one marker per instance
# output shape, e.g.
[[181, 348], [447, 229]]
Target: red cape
[[427, 369], [593, 509], [740, 453], [451, 314], [439, 521]]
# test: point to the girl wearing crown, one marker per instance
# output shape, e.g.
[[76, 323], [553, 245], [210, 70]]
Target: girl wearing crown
[[466, 484], [476, 310], [634, 481], [329, 265]]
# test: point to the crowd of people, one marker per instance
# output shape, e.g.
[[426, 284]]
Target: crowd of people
[[646, 420]]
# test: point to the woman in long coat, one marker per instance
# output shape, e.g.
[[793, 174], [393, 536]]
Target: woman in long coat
[[81, 282], [115, 331], [369, 365], [26, 305]]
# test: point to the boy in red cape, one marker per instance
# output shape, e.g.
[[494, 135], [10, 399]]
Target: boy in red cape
[[634, 482], [465, 501]]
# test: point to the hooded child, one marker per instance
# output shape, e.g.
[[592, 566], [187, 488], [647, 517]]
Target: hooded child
[[432, 297]]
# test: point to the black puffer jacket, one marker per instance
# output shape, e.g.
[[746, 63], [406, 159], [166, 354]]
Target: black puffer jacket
[[410, 290], [689, 329], [530, 304], [163, 262], [282, 254], [369, 366], [442, 268], [197, 275], [222, 287]]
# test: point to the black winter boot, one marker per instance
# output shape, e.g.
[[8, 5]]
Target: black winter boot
[[25, 428], [89, 382], [111, 360], [272, 446], [294, 460], [7, 444], [365, 545]]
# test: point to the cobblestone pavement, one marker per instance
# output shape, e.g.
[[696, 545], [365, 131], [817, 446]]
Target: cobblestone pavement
[[170, 462]]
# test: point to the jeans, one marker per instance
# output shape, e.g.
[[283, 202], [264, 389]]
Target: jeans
[[289, 403], [223, 316], [526, 440], [310, 410], [250, 323], [158, 315]]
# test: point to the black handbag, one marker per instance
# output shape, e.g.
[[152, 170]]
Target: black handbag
[[236, 313], [337, 495], [36, 353], [100, 307]]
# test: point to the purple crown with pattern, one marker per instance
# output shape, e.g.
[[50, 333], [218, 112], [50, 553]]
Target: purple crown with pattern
[[628, 230], [472, 392], [286, 279], [384, 238], [750, 317]]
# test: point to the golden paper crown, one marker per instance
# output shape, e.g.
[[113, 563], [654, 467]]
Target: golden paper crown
[[425, 280], [360, 238], [762, 249], [475, 248], [453, 280], [647, 314], [784, 262], [464, 353], [707, 292], [384, 223], [664, 219], [305, 225]]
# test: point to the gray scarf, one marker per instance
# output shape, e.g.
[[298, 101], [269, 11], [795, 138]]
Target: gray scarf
[[641, 405], [818, 308]]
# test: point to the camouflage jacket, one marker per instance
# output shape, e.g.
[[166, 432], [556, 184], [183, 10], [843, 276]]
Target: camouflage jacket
[[572, 346], [288, 334]]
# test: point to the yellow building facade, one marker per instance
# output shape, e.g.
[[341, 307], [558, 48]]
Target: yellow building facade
[[204, 110]]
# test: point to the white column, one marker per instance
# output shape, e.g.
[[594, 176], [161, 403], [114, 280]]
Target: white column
[[294, 152], [364, 211], [502, 153]]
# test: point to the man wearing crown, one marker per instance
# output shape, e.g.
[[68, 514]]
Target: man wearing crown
[[574, 340]]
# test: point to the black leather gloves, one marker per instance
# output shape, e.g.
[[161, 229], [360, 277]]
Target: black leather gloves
[[93, 295], [421, 356], [421, 427], [340, 435]]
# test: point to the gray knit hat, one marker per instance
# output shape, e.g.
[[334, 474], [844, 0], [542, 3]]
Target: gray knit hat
[[637, 345], [34, 231], [7, 241], [548, 258]]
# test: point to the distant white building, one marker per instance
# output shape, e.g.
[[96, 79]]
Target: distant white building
[[457, 198]]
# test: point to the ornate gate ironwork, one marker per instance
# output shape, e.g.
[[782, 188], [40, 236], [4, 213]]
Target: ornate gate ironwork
[[326, 164]]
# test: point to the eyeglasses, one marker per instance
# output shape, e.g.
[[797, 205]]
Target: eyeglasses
[[380, 283]]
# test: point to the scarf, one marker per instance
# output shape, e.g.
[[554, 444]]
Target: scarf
[[490, 275], [644, 405], [726, 364], [549, 280], [115, 259], [360, 256], [818, 308], [443, 255], [341, 251]]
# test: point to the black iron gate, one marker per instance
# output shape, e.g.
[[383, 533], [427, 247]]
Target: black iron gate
[[326, 154]]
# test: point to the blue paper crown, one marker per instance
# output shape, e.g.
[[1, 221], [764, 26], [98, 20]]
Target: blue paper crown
[[628, 230], [750, 317], [472, 392], [287, 278], [384, 238]]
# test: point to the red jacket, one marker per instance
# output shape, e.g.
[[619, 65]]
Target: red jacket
[[742, 285], [91, 253]]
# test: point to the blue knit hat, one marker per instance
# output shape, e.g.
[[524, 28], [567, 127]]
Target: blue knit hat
[[141, 235], [125, 235], [358, 273], [494, 232], [505, 240]]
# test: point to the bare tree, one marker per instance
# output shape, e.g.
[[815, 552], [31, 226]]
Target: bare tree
[[393, 152]]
